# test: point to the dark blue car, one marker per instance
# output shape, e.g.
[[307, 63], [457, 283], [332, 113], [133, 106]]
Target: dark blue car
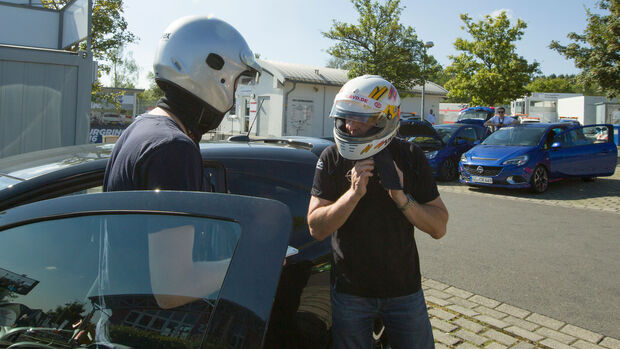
[[532, 155], [442, 144]]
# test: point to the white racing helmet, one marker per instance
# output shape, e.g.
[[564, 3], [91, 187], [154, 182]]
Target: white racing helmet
[[204, 56], [368, 99]]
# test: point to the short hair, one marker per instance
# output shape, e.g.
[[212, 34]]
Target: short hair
[[502, 108]]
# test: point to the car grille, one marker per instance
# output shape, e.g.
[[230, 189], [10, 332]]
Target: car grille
[[486, 170]]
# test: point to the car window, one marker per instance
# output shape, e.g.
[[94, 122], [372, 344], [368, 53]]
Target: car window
[[295, 197], [138, 280], [468, 134], [585, 136], [518, 136]]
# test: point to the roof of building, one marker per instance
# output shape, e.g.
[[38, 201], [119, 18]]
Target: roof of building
[[326, 76]]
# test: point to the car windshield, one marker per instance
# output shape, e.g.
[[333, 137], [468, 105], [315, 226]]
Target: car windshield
[[523, 136], [473, 114], [445, 132]]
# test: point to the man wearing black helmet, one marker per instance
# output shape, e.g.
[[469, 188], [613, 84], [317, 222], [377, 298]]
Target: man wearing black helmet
[[198, 64], [369, 192]]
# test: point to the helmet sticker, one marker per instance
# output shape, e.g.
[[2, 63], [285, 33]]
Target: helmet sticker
[[393, 94], [391, 111], [378, 92], [368, 147]]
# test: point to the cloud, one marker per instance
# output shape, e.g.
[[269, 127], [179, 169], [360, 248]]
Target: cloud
[[509, 13], [50, 268]]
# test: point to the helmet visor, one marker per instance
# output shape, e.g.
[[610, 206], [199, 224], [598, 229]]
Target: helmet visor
[[355, 111], [254, 69]]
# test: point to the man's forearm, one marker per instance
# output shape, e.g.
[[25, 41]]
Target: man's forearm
[[325, 220], [431, 217]]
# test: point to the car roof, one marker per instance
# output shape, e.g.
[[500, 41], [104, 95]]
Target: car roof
[[29, 165]]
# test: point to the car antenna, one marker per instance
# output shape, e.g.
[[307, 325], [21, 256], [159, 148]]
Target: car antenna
[[246, 137]]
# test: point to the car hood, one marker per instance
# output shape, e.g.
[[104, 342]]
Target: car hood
[[497, 153], [418, 129]]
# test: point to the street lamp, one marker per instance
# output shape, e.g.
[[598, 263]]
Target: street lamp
[[427, 45]]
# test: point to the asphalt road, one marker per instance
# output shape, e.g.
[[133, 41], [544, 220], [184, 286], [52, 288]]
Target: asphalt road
[[560, 262]]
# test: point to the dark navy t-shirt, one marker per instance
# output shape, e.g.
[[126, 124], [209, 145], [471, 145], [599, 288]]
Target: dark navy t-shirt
[[153, 153]]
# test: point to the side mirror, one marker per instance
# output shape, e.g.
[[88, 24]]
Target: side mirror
[[556, 145], [476, 142]]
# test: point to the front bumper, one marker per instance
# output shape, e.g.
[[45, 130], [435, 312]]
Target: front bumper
[[506, 177]]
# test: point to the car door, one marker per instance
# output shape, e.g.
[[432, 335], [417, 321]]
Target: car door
[[464, 140], [141, 269], [585, 151]]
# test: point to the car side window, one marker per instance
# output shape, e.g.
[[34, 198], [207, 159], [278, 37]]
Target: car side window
[[137, 280], [585, 136]]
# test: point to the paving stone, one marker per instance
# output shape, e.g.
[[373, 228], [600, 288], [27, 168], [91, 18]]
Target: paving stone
[[491, 312], [582, 333], [438, 301], [555, 344], [514, 311], [471, 337], [492, 321], [468, 324], [443, 325], [494, 345], [435, 284], [530, 326], [487, 302], [438, 294], [499, 337], [581, 344], [445, 338], [522, 345], [558, 336], [610, 343], [442, 314], [545, 321], [524, 333], [466, 346], [463, 302], [441, 346], [462, 310], [458, 292]]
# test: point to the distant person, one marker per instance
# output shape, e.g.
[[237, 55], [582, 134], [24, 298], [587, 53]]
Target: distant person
[[431, 117], [500, 120], [370, 190]]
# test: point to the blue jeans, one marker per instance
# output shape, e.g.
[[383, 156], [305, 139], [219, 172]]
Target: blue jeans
[[405, 319]]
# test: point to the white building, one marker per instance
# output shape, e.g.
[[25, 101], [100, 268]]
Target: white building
[[293, 99]]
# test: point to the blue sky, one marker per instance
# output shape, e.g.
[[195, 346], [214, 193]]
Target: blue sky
[[290, 30]]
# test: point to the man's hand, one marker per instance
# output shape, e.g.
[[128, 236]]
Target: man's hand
[[360, 173]]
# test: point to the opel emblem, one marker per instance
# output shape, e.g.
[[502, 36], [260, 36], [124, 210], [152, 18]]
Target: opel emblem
[[479, 169]]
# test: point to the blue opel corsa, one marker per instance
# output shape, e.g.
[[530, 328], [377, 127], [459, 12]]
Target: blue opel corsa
[[532, 155]]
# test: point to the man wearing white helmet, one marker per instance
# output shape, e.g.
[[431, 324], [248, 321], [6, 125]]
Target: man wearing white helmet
[[198, 64], [370, 190]]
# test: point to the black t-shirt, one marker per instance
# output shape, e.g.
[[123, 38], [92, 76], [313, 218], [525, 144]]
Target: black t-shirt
[[374, 252], [153, 153]]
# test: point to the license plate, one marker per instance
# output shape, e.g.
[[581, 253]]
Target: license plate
[[486, 180]]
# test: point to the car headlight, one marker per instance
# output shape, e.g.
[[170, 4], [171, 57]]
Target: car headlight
[[431, 154], [463, 158], [519, 160]]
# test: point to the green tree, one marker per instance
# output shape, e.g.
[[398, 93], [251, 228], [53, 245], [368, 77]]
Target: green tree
[[379, 44], [597, 50], [109, 33], [489, 71], [552, 84], [124, 71], [70, 312]]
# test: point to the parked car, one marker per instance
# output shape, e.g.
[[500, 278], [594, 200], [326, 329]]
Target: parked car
[[443, 144], [475, 115], [143, 269], [532, 155]]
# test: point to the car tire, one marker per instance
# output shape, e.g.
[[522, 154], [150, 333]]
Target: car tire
[[448, 170], [540, 180]]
